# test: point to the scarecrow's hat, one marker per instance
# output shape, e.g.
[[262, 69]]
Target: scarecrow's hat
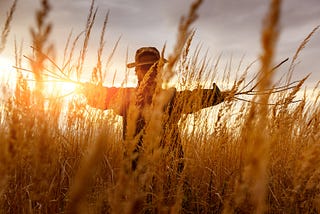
[[146, 56]]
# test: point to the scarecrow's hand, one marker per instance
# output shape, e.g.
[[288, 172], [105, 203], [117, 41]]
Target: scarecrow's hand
[[218, 95], [95, 94], [222, 96], [227, 95]]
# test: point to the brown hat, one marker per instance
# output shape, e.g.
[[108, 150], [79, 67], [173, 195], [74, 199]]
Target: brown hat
[[145, 56]]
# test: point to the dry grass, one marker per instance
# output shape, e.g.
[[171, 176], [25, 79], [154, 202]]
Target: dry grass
[[252, 157], [6, 27]]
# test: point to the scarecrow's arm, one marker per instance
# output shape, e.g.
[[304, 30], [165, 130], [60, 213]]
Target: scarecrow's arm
[[106, 97], [192, 101]]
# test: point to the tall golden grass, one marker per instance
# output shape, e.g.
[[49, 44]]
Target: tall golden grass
[[252, 157]]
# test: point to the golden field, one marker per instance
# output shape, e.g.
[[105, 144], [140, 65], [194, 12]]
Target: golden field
[[59, 155]]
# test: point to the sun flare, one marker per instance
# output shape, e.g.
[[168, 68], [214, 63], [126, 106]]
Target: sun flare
[[59, 88], [5, 63], [5, 67]]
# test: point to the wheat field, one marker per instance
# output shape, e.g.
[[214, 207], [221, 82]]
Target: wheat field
[[60, 155]]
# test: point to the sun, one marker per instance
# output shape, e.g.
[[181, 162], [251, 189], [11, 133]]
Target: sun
[[5, 67], [50, 87], [59, 88], [65, 87], [5, 63]]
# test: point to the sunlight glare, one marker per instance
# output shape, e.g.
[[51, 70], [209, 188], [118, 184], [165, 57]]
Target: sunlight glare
[[5, 63], [59, 88], [66, 86], [5, 68]]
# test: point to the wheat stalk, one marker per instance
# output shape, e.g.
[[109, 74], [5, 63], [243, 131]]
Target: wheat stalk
[[6, 27]]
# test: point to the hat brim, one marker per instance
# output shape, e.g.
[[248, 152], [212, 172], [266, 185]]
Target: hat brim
[[134, 64]]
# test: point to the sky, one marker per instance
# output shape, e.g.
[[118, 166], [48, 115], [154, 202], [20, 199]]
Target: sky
[[228, 27]]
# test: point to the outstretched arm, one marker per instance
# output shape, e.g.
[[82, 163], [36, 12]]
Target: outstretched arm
[[106, 97], [97, 96], [193, 101]]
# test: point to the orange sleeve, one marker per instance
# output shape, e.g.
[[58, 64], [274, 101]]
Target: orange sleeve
[[109, 98], [111, 95], [98, 96]]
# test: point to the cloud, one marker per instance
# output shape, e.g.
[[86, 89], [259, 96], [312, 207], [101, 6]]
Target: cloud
[[228, 26]]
